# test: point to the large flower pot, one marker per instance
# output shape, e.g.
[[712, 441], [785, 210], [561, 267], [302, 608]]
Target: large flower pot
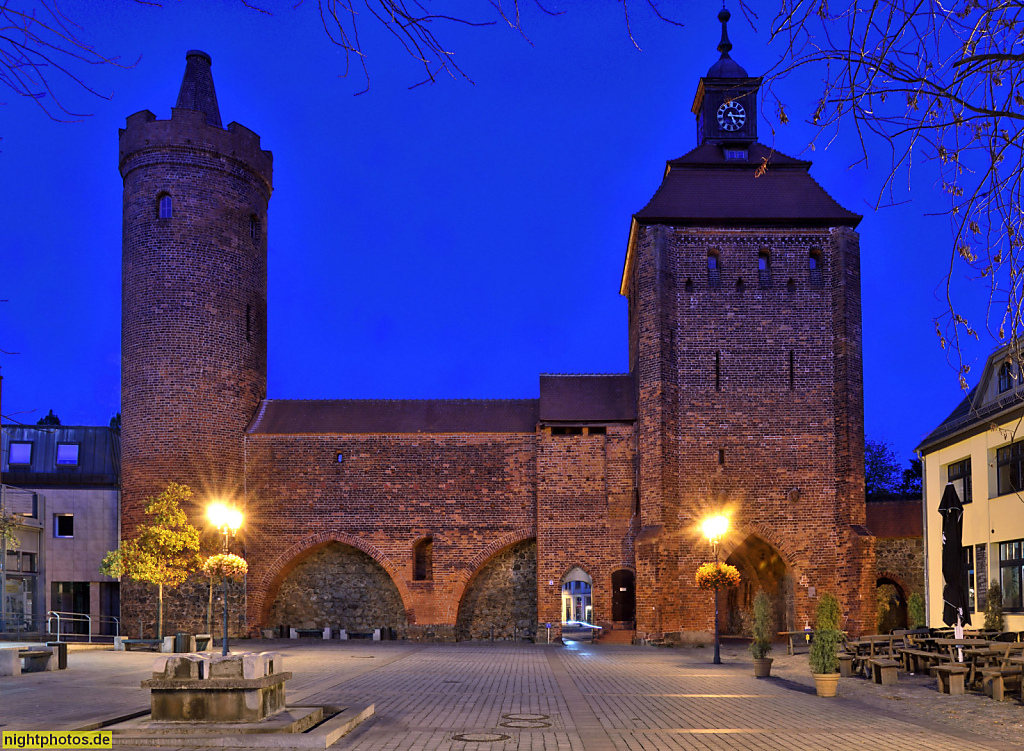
[[826, 684], [762, 667]]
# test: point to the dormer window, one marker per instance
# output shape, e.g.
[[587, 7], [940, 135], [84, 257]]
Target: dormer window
[[735, 155], [1006, 377]]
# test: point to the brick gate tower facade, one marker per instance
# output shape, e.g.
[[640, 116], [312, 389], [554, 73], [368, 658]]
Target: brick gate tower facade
[[194, 309], [743, 282], [464, 519]]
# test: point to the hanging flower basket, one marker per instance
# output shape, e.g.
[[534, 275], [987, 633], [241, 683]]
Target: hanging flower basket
[[226, 565], [717, 576]]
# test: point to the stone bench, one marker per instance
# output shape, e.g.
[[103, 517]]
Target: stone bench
[[883, 670], [15, 661], [949, 679], [995, 681], [153, 645]]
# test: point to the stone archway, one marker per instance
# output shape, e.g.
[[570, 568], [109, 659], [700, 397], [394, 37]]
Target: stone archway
[[892, 604], [502, 597], [340, 586], [761, 567]]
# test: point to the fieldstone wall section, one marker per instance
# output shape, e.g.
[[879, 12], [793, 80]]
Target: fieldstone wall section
[[904, 558], [341, 587], [502, 599], [185, 608]]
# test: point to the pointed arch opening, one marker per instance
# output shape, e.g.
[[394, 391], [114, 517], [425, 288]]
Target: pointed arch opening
[[761, 567], [500, 601], [340, 586]]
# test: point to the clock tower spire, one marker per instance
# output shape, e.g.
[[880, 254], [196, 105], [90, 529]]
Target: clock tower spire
[[726, 101]]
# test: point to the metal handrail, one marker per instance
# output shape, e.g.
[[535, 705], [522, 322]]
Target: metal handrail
[[62, 617]]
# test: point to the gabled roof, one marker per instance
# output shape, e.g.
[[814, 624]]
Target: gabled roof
[[982, 407], [291, 416], [587, 398], [702, 187]]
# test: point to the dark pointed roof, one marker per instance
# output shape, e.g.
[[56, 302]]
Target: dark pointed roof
[[197, 92], [704, 188], [726, 67]]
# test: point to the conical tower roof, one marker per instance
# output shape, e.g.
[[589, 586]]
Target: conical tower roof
[[197, 92]]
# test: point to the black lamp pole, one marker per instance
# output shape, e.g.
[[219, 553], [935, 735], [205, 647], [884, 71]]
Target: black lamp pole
[[224, 642], [718, 655]]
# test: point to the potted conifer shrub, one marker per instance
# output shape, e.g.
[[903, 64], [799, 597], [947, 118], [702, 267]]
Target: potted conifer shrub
[[761, 646], [824, 657], [994, 620], [915, 611]]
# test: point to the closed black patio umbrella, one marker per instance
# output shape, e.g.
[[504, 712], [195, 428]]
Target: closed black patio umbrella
[[955, 611]]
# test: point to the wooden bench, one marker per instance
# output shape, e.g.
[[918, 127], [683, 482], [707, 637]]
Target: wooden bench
[[994, 681], [152, 645], [920, 661], [949, 679], [883, 670], [846, 665]]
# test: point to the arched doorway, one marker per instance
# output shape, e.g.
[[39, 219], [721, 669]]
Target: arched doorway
[[761, 567], [577, 597], [339, 586], [623, 596], [892, 605], [501, 601]]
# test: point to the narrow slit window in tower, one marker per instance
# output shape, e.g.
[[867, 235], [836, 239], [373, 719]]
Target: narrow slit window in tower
[[254, 228], [792, 370], [248, 323], [814, 267], [423, 560], [689, 285], [718, 371], [721, 456], [714, 270], [764, 269], [166, 206], [740, 287]]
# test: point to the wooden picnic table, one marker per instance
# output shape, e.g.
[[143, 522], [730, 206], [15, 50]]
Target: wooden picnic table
[[790, 635], [948, 645]]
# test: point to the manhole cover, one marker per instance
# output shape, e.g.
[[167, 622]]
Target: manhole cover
[[480, 737], [525, 724], [525, 716]]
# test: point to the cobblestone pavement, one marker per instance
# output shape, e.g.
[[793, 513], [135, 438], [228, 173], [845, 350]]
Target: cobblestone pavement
[[494, 697]]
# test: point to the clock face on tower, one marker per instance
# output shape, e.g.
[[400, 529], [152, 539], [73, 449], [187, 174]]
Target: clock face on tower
[[731, 116]]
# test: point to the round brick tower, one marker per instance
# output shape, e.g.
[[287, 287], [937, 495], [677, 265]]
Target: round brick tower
[[194, 297]]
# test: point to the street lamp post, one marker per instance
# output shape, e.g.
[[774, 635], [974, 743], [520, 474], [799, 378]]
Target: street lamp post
[[714, 528], [227, 519]]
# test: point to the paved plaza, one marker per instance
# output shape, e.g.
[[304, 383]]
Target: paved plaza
[[579, 697]]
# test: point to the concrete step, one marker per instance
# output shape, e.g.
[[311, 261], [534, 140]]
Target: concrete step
[[616, 637]]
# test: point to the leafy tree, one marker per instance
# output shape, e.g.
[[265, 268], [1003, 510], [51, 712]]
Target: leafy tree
[[994, 609], [115, 421], [881, 470], [49, 419], [912, 476], [927, 82], [915, 610], [165, 549], [883, 477]]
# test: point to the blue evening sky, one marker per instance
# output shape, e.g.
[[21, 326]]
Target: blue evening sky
[[454, 240]]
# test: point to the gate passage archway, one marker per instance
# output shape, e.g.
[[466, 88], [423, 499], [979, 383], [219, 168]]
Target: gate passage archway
[[340, 586], [761, 566]]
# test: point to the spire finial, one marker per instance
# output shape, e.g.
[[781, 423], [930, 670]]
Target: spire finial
[[725, 45], [197, 92]]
